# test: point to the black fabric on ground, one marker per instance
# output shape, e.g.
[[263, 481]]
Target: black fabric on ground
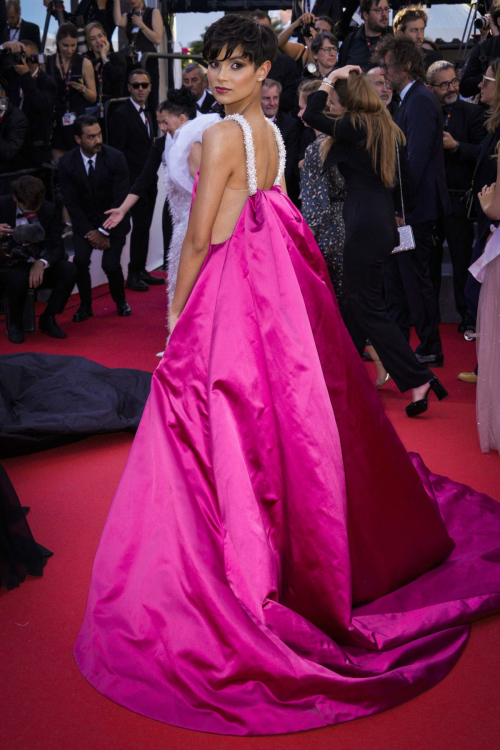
[[47, 400]]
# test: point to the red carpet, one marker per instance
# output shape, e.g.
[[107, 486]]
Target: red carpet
[[47, 703]]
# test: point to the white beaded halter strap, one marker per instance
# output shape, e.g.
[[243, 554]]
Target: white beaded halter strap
[[250, 152]]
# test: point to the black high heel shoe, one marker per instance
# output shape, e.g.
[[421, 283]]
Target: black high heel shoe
[[418, 407]]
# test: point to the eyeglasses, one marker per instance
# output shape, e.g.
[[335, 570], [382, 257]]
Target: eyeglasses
[[140, 85], [487, 78], [379, 11], [445, 85], [328, 49]]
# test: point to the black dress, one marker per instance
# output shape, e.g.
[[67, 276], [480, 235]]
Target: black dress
[[109, 77], [143, 45], [68, 100], [371, 234]]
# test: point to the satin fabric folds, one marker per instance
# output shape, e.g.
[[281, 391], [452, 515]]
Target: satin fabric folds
[[273, 560]]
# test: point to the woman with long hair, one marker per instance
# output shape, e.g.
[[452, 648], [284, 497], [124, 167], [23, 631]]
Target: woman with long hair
[[110, 68], [272, 561], [366, 144], [180, 151], [76, 90]]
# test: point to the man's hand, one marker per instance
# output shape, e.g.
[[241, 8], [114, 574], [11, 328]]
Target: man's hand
[[98, 240], [13, 46], [448, 141], [306, 19], [5, 229], [36, 274]]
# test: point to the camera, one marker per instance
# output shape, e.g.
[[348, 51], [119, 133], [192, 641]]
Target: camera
[[305, 30], [482, 23], [130, 53], [25, 242]]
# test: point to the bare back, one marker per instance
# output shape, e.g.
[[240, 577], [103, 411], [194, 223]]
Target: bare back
[[259, 156]]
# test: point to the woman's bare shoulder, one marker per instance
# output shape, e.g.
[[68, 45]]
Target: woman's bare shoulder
[[226, 134]]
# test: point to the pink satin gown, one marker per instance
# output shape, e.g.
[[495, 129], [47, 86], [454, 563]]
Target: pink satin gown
[[274, 560]]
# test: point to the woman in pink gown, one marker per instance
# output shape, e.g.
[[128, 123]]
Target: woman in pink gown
[[273, 560]]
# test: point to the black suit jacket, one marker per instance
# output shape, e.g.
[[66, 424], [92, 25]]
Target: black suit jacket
[[38, 104], [86, 207], [285, 71], [16, 151], [149, 175], [420, 117], [330, 8], [51, 249], [477, 63], [206, 106], [466, 125], [27, 32], [128, 134], [291, 131]]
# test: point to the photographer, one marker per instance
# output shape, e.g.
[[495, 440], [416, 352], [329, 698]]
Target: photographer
[[37, 264], [89, 11], [17, 28], [481, 55], [330, 9], [34, 92], [299, 51], [283, 69]]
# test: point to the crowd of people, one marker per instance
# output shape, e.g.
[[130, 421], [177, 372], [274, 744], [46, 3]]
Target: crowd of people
[[99, 164]]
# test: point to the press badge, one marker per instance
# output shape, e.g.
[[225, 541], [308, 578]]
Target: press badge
[[68, 118]]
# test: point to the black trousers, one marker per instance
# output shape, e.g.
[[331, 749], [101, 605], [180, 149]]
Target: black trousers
[[142, 216], [409, 294], [370, 237], [14, 283], [110, 265], [166, 225], [458, 231]]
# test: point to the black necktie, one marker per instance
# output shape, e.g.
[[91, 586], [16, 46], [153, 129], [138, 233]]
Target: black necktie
[[91, 175]]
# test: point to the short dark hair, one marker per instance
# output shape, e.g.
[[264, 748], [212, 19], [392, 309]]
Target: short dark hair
[[365, 6], [328, 20], [261, 14], [66, 29], [323, 36], [84, 121], [30, 191], [403, 51], [138, 72], [258, 43], [180, 102], [31, 45]]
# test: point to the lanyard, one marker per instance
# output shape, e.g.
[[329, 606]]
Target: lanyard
[[371, 44], [16, 31], [67, 79], [100, 76], [447, 121]]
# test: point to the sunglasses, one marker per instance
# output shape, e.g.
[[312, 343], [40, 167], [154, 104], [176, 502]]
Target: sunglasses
[[487, 78], [446, 84], [140, 85]]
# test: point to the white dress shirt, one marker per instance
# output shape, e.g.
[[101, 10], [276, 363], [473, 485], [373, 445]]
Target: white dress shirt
[[142, 115], [405, 90]]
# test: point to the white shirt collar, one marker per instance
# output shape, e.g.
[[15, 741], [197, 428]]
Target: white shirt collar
[[137, 106], [35, 72], [405, 90], [201, 99], [86, 159]]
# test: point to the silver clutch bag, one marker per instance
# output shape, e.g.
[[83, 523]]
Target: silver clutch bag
[[406, 239]]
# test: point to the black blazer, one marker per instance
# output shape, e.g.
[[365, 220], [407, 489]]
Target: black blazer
[[149, 175], [16, 151], [128, 134], [355, 50], [485, 174], [285, 71], [27, 32], [206, 106], [114, 73], [38, 104], [420, 117], [112, 183], [51, 249], [466, 125], [291, 131], [330, 8]]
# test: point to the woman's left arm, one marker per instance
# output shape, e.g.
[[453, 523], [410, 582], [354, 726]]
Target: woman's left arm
[[215, 169], [90, 93], [155, 34]]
